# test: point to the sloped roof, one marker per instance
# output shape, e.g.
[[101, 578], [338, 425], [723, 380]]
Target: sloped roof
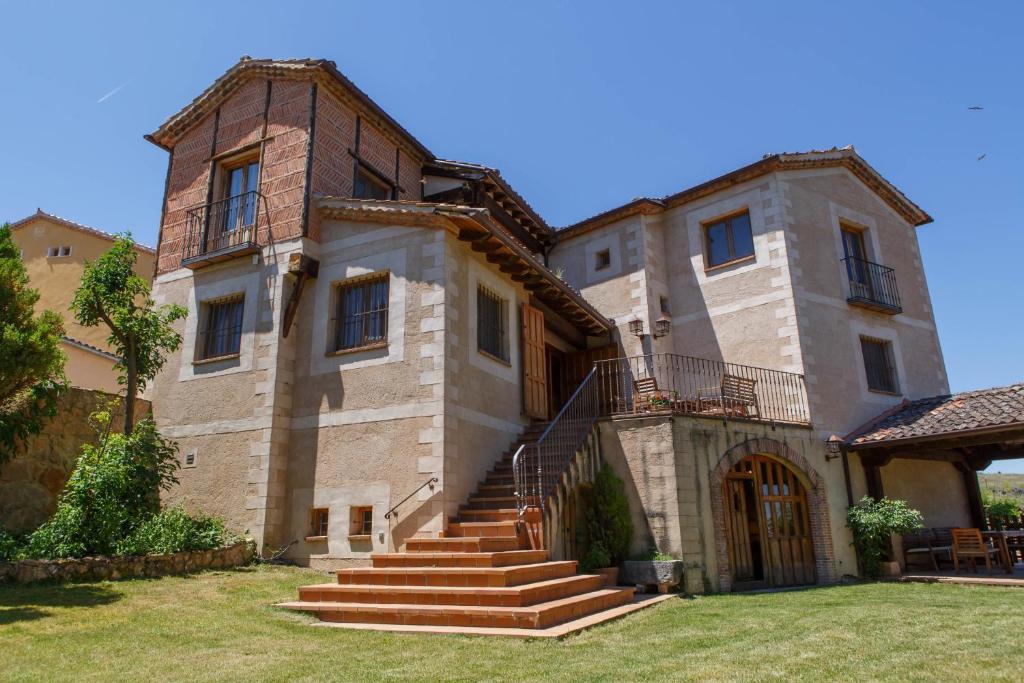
[[90, 347], [966, 412], [246, 68], [845, 157], [42, 215]]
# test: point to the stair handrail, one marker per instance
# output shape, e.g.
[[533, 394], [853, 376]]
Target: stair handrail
[[429, 482], [546, 458]]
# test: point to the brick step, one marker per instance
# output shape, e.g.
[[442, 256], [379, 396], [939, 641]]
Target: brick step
[[494, 490], [492, 502], [465, 544], [505, 558], [457, 577], [541, 615], [508, 479], [511, 596], [502, 529], [495, 515]]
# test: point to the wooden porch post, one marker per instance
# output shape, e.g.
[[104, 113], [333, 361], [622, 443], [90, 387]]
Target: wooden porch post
[[973, 489], [873, 477]]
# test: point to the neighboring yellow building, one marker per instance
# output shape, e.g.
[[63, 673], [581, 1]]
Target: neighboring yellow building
[[54, 250]]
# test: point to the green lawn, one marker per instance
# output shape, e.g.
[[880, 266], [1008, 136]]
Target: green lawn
[[220, 626]]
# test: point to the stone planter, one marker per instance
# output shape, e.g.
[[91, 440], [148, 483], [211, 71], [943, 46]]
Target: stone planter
[[889, 570], [611, 576], [664, 574]]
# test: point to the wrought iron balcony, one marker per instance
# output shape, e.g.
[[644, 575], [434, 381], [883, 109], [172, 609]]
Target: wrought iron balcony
[[872, 286], [222, 230]]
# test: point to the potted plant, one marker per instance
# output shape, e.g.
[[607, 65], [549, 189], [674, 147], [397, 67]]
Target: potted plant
[[661, 400], [653, 569], [873, 522], [606, 528]]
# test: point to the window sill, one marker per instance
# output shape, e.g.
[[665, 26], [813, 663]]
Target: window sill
[[358, 349], [729, 264], [496, 359], [883, 392], [215, 359], [315, 538], [359, 537]]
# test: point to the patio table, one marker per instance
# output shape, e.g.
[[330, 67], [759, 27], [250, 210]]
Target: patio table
[[1000, 540]]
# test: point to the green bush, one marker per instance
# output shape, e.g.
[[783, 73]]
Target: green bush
[[9, 546], [114, 488], [174, 530], [872, 523], [606, 529], [1000, 511]]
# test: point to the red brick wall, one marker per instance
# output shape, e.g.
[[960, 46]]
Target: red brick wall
[[410, 172], [186, 187], [241, 117], [332, 164], [283, 176]]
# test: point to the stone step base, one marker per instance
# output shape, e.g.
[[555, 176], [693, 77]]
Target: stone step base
[[504, 558], [458, 577]]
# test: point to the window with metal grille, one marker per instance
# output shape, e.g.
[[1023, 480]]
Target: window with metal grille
[[222, 331], [879, 365], [728, 239], [362, 312], [492, 324]]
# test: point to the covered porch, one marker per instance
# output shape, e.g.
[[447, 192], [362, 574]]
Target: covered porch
[[963, 433]]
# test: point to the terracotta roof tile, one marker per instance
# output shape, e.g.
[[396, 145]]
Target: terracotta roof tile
[[963, 412], [40, 214]]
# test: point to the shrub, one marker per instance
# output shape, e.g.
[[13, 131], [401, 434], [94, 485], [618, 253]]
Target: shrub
[[1000, 511], [9, 546], [872, 523], [173, 531], [607, 529], [114, 487]]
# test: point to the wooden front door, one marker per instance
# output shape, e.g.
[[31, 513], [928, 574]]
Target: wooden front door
[[535, 384], [772, 542]]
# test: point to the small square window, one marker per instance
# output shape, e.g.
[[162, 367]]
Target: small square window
[[362, 312], [665, 308], [603, 259], [492, 324], [361, 521], [728, 239], [366, 186], [58, 252], [221, 332], [879, 365], [318, 522]]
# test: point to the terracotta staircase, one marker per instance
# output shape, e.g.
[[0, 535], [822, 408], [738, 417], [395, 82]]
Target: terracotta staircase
[[479, 573]]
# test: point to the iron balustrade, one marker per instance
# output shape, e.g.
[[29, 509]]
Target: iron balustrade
[[537, 467], [394, 511], [223, 226], [872, 285], [684, 385]]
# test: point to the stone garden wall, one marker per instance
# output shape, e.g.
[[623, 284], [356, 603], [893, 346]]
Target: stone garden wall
[[113, 568], [31, 482]]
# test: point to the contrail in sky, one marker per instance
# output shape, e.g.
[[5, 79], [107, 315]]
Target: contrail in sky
[[112, 92]]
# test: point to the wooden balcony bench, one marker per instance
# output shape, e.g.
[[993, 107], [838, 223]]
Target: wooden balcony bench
[[931, 545], [735, 396]]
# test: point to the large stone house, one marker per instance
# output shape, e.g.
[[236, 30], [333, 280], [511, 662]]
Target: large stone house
[[373, 331]]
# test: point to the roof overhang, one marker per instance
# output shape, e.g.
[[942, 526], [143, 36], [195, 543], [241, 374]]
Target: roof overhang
[[322, 71], [478, 229], [845, 157]]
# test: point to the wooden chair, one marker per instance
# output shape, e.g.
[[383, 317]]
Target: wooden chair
[[735, 396], [643, 389], [927, 544], [969, 544]]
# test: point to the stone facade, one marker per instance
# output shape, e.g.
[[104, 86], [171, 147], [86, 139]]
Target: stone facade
[[31, 483]]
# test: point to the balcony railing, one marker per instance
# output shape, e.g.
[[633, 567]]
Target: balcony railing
[[221, 230], [872, 286], [681, 385]]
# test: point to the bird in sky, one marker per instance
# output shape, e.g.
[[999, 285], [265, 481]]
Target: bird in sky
[[975, 108], [982, 156]]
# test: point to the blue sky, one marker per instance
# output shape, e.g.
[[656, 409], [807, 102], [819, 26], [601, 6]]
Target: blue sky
[[582, 105]]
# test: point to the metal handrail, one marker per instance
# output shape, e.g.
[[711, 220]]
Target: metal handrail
[[429, 482], [221, 225], [872, 283], [537, 467]]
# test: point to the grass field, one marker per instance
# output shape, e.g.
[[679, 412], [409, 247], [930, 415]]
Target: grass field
[[1003, 485], [221, 626]]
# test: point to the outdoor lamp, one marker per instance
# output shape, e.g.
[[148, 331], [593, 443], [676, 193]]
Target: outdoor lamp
[[636, 327], [662, 326], [833, 447]]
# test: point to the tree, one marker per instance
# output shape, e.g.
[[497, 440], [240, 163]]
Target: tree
[[31, 360], [141, 333]]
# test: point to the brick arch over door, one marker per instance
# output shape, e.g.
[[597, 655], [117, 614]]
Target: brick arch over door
[[817, 504]]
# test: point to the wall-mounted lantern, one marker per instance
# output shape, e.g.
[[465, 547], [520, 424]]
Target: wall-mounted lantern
[[662, 326], [833, 447], [636, 327]]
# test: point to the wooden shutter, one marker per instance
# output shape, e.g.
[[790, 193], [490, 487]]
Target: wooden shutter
[[535, 384]]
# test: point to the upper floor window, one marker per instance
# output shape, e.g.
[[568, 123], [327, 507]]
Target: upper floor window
[[366, 186], [879, 365], [221, 334], [728, 239], [362, 312], [241, 183], [319, 522], [492, 324], [58, 252], [603, 259]]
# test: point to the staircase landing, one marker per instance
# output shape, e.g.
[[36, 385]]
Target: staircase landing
[[479, 576]]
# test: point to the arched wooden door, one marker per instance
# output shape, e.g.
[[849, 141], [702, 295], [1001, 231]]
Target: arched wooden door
[[767, 525]]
